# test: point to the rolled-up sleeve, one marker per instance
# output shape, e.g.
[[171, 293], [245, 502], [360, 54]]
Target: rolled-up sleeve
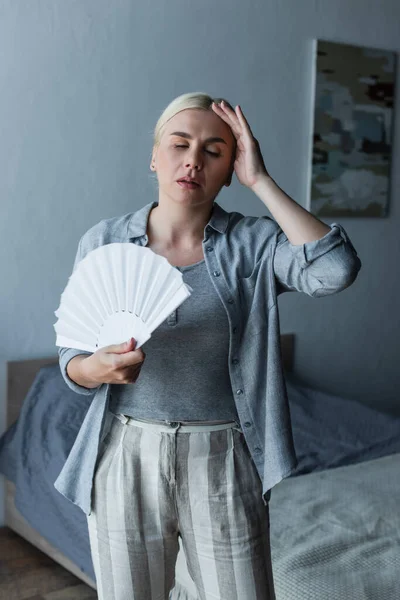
[[67, 354], [318, 268]]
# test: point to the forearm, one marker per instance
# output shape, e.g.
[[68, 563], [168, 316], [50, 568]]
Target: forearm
[[76, 372], [299, 225]]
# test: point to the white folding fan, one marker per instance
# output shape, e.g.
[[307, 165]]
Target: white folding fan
[[117, 291]]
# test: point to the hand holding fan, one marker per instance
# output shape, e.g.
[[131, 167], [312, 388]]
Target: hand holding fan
[[117, 291]]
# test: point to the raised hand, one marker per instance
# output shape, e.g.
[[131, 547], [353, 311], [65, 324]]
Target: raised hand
[[249, 164]]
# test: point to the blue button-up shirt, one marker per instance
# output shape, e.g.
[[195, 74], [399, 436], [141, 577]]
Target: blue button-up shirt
[[250, 262]]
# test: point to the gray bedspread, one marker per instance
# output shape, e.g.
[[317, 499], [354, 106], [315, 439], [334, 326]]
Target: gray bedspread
[[32, 453], [336, 534]]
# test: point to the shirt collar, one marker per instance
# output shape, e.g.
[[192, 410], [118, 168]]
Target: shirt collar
[[137, 224]]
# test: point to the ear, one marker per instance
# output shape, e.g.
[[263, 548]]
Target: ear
[[153, 160]]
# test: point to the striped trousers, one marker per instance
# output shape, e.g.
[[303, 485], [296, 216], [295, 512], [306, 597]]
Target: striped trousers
[[161, 488]]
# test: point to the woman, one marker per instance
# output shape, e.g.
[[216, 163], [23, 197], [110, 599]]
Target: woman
[[176, 461]]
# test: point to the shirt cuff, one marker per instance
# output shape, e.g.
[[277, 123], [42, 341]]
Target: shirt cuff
[[310, 251], [67, 354]]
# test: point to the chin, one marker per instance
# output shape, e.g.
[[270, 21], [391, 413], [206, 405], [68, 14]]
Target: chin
[[188, 198]]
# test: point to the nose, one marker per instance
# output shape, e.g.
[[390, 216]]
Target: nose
[[192, 165], [193, 162]]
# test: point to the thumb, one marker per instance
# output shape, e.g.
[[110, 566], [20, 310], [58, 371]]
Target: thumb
[[121, 348]]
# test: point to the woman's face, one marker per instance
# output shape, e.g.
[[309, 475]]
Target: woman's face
[[210, 161]]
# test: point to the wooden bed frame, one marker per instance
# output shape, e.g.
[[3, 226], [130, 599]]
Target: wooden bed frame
[[20, 376]]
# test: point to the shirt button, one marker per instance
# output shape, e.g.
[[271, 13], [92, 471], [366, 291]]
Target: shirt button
[[230, 301], [239, 391], [235, 361], [257, 450], [210, 249], [234, 329], [216, 273], [247, 424]]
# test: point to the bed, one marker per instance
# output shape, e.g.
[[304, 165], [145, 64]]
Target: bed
[[335, 522]]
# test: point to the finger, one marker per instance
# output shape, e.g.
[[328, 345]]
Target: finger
[[120, 348], [135, 376], [225, 116], [228, 113], [224, 107], [243, 120], [135, 357], [131, 373]]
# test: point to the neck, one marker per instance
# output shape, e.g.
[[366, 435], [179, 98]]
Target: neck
[[174, 225]]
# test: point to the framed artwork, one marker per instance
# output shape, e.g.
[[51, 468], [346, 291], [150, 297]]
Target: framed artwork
[[352, 130]]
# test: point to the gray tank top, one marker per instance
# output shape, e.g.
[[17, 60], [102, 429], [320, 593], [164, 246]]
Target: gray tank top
[[185, 375]]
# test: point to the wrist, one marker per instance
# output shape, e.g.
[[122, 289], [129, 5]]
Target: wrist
[[85, 369], [78, 369], [262, 180]]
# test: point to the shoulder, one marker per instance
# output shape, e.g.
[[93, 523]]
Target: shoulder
[[250, 239], [245, 226], [106, 231]]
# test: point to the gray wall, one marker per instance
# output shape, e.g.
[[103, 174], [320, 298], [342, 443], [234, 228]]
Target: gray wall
[[82, 85]]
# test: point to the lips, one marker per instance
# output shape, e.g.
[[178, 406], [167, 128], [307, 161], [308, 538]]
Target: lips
[[187, 185], [189, 181]]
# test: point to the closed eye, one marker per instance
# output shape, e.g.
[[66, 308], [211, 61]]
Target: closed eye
[[209, 151]]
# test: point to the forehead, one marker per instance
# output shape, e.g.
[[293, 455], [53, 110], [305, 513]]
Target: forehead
[[199, 123]]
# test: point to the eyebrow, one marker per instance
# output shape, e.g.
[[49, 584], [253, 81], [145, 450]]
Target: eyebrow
[[188, 136]]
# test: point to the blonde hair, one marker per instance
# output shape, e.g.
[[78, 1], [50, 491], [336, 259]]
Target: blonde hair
[[191, 100]]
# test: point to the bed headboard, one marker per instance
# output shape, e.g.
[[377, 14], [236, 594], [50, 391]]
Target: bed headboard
[[21, 374]]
